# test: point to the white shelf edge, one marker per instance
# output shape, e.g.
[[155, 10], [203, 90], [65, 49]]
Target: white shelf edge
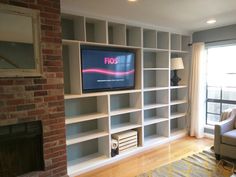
[[176, 102], [146, 49], [154, 88], [124, 111], [177, 87], [155, 69], [177, 115], [125, 153], [81, 137], [152, 106], [178, 51], [178, 131], [124, 127], [71, 96], [124, 91], [151, 121], [109, 45], [70, 41], [153, 138], [86, 117], [74, 96], [85, 162]]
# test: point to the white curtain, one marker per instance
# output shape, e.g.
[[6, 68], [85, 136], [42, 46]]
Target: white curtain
[[197, 92]]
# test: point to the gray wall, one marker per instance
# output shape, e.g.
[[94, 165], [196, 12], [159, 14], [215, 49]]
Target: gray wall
[[216, 34]]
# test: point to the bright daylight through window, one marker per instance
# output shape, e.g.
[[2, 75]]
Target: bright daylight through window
[[221, 81]]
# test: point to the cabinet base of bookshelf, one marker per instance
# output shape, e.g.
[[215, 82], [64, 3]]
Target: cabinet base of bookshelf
[[102, 161]]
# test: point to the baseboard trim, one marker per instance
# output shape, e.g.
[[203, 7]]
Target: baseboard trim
[[208, 135]]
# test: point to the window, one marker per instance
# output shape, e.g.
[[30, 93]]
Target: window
[[221, 81]]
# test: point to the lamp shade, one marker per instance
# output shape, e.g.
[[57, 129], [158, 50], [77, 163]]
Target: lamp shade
[[177, 63]]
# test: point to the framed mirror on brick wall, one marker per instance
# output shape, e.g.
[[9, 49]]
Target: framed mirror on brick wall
[[19, 42]]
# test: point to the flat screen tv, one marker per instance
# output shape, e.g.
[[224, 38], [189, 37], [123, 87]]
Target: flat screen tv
[[107, 69]]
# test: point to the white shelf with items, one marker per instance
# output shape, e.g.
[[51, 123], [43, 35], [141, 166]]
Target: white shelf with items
[[182, 73], [155, 133], [156, 115], [121, 137], [153, 108]]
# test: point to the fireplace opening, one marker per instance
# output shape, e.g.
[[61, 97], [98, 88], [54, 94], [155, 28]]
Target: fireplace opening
[[21, 149]]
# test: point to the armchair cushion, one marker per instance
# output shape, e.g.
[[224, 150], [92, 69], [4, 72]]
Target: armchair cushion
[[229, 138]]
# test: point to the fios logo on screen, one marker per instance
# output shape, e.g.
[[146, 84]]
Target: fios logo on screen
[[111, 61]]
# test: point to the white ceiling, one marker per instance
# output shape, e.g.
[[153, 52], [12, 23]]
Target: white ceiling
[[180, 15]]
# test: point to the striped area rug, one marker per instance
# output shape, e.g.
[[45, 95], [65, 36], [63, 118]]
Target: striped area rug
[[202, 164]]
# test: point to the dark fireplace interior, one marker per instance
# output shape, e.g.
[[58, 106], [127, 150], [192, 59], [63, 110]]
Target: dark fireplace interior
[[21, 149]]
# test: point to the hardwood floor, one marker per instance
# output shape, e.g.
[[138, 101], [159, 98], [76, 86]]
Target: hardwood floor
[[151, 159]]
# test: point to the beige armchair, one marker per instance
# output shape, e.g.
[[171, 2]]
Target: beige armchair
[[225, 137]]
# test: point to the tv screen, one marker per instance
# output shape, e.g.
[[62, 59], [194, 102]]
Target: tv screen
[[106, 69]]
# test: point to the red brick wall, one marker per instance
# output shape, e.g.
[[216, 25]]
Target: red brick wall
[[27, 99]]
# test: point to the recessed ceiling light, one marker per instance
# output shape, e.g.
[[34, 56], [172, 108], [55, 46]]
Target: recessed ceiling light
[[132, 0], [211, 21]]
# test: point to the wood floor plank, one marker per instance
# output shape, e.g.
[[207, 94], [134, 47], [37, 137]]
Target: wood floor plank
[[152, 158]]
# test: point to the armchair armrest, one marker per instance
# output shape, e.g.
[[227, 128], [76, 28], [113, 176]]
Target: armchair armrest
[[220, 129], [224, 126]]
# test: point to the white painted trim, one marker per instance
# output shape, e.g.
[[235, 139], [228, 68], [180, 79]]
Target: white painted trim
[[212, 127], [208, 135]]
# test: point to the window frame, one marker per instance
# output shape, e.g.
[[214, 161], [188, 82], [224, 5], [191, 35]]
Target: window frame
[[221, 101]]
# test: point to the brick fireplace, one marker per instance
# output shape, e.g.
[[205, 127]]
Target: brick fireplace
[[41, 99]]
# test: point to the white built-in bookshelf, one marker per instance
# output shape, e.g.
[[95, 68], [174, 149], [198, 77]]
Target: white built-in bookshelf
[[154, 108]]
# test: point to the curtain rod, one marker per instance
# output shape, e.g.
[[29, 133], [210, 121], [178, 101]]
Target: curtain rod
[[209, 42]]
